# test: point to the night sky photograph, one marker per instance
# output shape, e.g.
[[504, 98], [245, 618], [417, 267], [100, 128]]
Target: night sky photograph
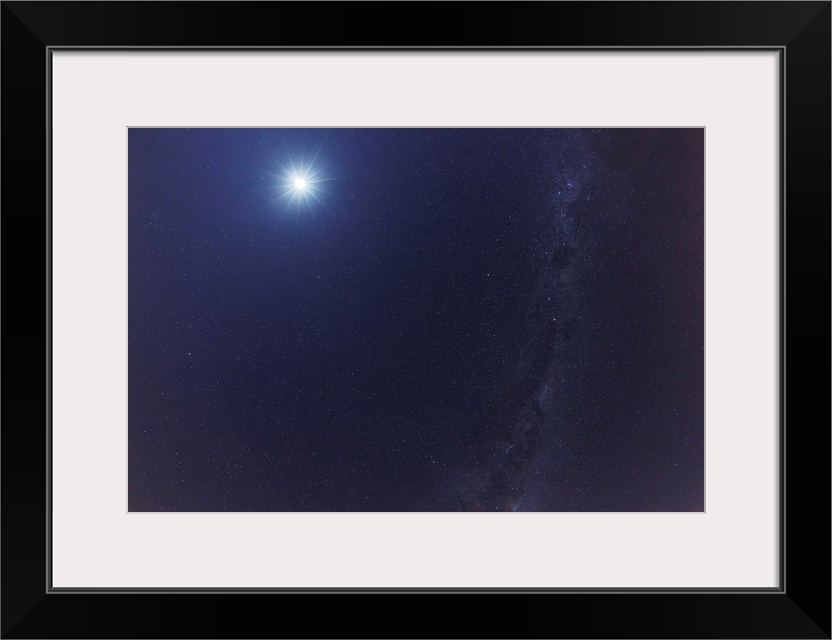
[[416, 320]]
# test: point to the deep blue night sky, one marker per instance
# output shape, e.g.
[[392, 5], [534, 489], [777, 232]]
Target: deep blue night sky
[[439, 320]]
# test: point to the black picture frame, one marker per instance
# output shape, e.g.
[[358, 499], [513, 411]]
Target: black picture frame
[[799, 608]]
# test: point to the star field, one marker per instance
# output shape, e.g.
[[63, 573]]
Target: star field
[[459, 319]]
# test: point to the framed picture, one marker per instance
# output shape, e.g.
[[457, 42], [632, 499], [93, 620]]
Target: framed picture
[[490, 302]]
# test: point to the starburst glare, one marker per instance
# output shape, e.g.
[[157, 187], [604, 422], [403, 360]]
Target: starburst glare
[[299, 186]]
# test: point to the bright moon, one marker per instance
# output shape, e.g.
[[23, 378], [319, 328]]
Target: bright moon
[[299, 185]]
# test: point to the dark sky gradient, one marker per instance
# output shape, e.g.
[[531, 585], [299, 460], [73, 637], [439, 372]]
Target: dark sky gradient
[[468, 319]]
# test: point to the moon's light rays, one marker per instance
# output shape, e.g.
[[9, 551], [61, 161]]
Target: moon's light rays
[[299, 185]]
